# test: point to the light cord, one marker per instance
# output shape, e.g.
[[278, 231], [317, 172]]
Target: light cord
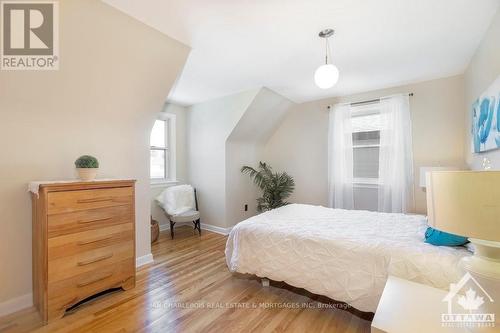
[[328, 52]]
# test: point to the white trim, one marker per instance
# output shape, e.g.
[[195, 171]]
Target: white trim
[[364, 110], [361, 185], [171, 151], [208, 227], [163, 183], [366, 146], [164, 227], [144, 260], [172, 144], [366, 181], [16, 304], [216, 229]]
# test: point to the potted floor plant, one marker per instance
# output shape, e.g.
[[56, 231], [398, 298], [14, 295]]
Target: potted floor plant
[[87, 167], [276, 187]]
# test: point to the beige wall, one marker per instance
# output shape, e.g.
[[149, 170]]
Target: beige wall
[[223, 135], [180, 113], [300, 145], [240, 189], [483, 69], [244, 147], [114, 76], [209, 124]]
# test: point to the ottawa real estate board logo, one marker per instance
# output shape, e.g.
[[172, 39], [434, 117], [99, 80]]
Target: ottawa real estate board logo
[[30, 35], [468, 304]]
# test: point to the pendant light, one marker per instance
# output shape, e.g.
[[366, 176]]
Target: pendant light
[[327, 75]]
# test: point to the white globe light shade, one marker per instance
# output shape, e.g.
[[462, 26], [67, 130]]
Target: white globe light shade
[[326, 76]]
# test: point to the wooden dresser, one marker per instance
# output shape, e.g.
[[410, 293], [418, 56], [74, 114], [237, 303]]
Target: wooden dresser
[[83, 242]]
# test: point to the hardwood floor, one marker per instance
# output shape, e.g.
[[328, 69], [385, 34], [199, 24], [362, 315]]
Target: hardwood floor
[[189, 289]]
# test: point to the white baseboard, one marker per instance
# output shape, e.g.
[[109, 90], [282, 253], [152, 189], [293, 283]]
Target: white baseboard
[[16, 304], [144, 260], [26, 301], [216, 229], [209, 227]]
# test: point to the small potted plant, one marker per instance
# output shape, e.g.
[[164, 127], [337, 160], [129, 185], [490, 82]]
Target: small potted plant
[[87, 167]]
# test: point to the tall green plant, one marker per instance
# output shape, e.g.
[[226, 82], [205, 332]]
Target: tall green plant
[[275, 186]]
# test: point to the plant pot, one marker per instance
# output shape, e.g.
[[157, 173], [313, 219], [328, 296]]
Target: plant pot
[[87, 174]]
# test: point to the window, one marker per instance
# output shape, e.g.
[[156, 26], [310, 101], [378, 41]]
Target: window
[[366, 124], [370, 155], [162, 150]]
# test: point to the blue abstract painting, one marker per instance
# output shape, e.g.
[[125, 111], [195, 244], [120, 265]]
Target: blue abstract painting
[[486, 119]]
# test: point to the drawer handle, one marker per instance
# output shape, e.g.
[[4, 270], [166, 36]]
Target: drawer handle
[[82, 201], [86, 283], [91, 261], [94, 240], [96, 220]]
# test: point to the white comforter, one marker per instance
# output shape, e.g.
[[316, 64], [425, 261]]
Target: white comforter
[[343, 254]]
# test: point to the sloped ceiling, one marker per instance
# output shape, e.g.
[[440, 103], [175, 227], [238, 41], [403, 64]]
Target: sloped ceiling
[[261, 118], [239, 44]]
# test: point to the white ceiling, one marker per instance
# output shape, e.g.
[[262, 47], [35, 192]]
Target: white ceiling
[[244, 44]]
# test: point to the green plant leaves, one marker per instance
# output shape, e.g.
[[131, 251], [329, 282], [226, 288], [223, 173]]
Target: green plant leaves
[[87, 162], [275, 186]]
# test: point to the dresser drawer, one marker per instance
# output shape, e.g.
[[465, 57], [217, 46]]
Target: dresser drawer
[[83, 242], [66, 267], [72, 201], [67, 223], [71, 244], [68, 292]]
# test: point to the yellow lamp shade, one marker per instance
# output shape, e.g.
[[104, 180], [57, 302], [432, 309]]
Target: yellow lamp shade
[[465, 203]]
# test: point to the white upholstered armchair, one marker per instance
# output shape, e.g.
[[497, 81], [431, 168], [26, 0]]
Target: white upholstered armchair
[[180, 204]]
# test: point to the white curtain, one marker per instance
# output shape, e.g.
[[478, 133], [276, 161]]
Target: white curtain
[[395, 193], [340, 158]]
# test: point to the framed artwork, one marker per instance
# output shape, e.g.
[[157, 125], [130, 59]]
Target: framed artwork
[[486, 119]]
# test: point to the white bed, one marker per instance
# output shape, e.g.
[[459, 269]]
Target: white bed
[[343, 254]]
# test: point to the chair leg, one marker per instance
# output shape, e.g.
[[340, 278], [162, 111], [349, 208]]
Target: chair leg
[[172, 224], [197, 226]]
